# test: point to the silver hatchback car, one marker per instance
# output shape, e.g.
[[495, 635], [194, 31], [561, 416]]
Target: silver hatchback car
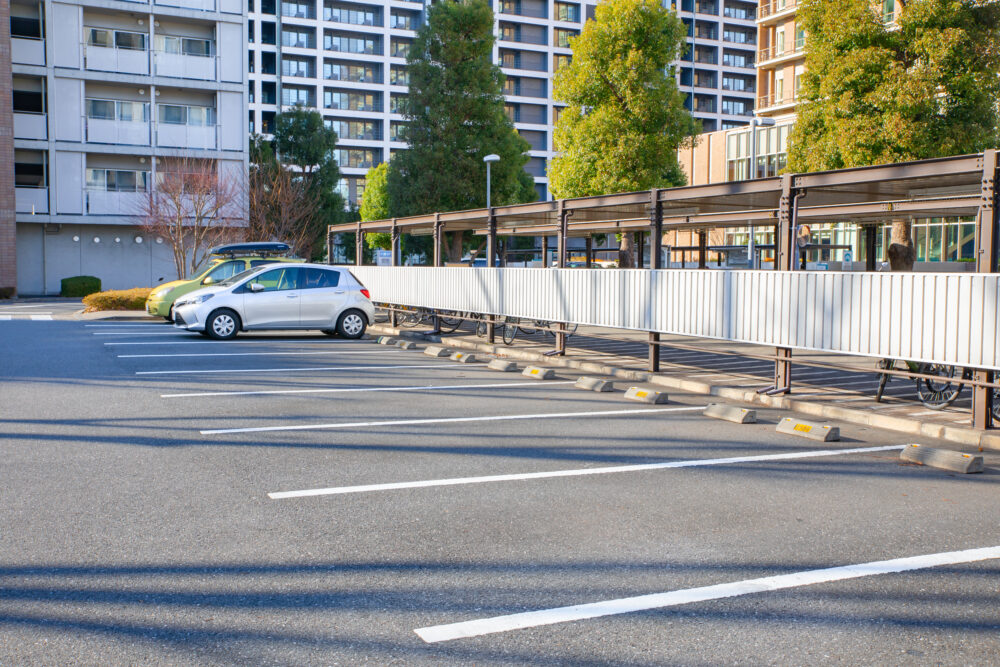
[[279, 296]]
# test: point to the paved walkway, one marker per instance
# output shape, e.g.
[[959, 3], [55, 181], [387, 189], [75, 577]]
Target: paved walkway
[[736, 365]]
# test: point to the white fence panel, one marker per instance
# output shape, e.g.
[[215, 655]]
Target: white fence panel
[[932, 317]]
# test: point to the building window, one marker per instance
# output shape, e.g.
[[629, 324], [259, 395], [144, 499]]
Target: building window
[[401, 20], [298, 9], [120, 39], [352, 100], [352, 14], [399, 75], [772, 152], [737, 107], [737, 58], [339, 71], [128, 112], [295, 95], [396, 130], [352, 43], [117, 180], [301, 67], [185, 46], [358, 158], [397, 103], [560, 59], [738, 35], [399, 48], [302, 38], [565, 11], [176, 114], [363, 130], [562, 36]]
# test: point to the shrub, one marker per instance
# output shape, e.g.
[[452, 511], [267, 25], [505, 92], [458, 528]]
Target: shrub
[[79, 286], [128, 299]]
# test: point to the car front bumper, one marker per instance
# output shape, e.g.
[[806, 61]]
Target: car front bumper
[[158, 308], [188, 318]]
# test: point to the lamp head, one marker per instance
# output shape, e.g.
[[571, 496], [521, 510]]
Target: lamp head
[[492, 157]]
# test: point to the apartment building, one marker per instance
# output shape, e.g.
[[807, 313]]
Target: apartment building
[[348, 59], [105, 93], [717, 71]]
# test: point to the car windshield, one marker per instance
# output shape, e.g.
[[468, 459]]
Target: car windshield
[[204, 265], [238, 277]]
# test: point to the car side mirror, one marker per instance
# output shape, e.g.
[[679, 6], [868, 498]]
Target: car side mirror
[[256, 287], [208, 281]]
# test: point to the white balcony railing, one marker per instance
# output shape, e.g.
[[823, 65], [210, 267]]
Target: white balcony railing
[[200, 5], [183, 66], [104, 131], [104, 202], [30, 125], [113, 59], [203, 137], [27, 51], [31, 200]]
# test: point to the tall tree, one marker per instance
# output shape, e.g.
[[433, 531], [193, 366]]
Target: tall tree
[[625, 116], [874, 91], [303, 142], [455, 117], [281, 205], [375, 204]]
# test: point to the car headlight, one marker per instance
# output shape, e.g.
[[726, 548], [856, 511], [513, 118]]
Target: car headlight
[[201, 298], [156, 294]]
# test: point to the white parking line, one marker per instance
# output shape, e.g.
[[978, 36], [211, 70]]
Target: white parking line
[[531, 619], [176, 332], [33, 313], [40, 317], [252, 354], [205, 341], [5, 317], [338, 390], [292, 370], [455, 481], [446, 420], [21, 306], [119, 325]]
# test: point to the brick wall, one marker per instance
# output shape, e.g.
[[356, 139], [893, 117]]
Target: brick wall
[[8, 235]]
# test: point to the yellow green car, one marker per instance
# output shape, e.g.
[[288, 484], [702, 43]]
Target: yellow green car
[[222, 262]]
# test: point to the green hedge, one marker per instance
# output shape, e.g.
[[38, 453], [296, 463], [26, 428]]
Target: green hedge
[[127, 299], [80, 286]]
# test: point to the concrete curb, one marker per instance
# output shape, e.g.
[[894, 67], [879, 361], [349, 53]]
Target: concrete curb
[[956, 434]]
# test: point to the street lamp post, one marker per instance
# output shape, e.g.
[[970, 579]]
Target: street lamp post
[[755, 122], [489, 159]]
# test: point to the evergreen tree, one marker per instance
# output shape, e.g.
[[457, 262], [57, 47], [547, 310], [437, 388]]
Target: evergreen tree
[[625, 116], [302, 141], [375, 204], [455, 117]]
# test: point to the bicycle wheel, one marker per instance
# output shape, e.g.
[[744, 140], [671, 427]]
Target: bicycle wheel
[[883, 379], [939, 393], [996, 407], [481, 327], [412, 318], [571, 329], [509, 329], [448, 323], [527, 329]]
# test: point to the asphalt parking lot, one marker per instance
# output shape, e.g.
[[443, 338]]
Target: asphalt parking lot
[[299, 499]]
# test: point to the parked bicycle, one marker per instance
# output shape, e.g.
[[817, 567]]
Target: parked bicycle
[[937, 392]]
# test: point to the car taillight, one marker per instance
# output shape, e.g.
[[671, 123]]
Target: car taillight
[[366, 293]]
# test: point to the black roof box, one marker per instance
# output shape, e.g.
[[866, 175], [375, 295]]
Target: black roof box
[[259, 248]]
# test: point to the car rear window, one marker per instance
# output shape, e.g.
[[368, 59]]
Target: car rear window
[[356, 279]]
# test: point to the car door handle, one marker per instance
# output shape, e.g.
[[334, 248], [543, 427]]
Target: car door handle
[[292, 296], [339, 291]]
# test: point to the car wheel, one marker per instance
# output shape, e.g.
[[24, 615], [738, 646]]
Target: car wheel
[[351, 324], [170, 316], [329, 332], [223, 324]]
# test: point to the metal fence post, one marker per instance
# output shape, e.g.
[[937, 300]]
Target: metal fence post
[[563, 233], [655, 263], [986, 262]]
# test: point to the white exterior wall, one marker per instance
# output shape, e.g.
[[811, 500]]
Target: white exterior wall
[[71, 72]]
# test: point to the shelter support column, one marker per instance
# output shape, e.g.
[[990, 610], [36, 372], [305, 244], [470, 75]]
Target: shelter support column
[[395, 244], [871, 261], [986, 262], [655, 263], [702, 249], [545, 252], [359, 245], [590, 251], [785, 261], [491, 261], [437, 239]]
